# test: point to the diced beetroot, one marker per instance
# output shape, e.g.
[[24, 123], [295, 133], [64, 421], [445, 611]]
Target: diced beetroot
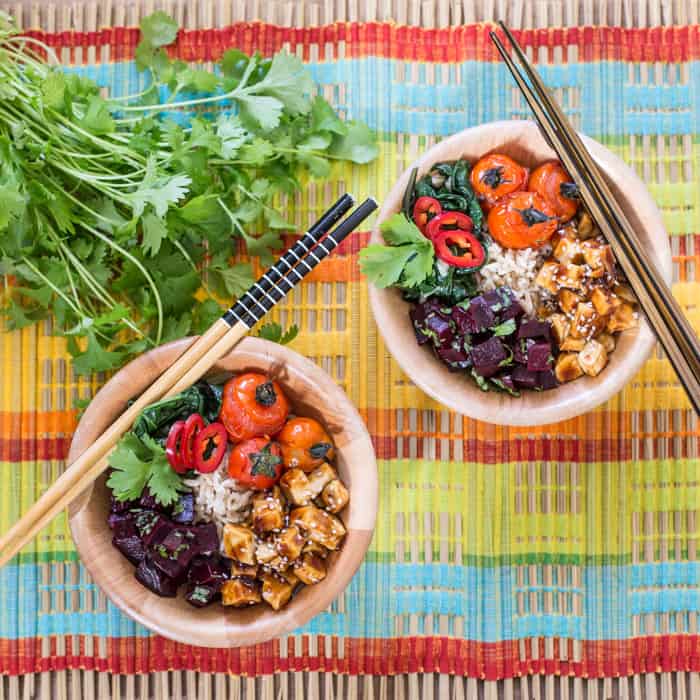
[[200, 595], [439, 329], [183, 510], [513, 310], [480, 317], [547, 380], [524, 378], [534, 329], [486, 357], [123, 525], [152, 527], [149, 575], [213, 570], [508, 382], [461, 319], [206, 538], [521, 348], [539, 357], [173, 554], [116, 506], [131, 547], [454, 358]]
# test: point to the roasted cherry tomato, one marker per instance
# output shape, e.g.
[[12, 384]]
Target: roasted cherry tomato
[[555, 186], [253, 405], [209, 448], [449, 221], [305, 444], [193, 425], [172, 447], [460, 249], [495, 176], [522, 220], [424, 210], [256, 463]]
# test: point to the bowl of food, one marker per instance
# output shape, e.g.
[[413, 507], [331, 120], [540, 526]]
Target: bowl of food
[[234, 511], [494, 290]]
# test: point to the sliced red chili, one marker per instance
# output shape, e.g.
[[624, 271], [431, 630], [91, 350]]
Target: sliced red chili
[[193, 425], [210, 447], [424, 210], [173, 445], [449, 221], [459, 248]]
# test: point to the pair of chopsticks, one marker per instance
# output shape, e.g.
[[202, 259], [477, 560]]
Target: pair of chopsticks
[[199, 357], [665, 316]]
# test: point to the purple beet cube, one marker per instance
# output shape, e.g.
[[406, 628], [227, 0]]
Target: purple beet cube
[[521, 348], [152, 527], [150, 576], [439, 329], [546, 380], [183, 510], [205, 538], [480, 316], [487, 357], [539, 357], [454, 358], [534, 329], [131, 547], [123, 525], [173, 554], [524, 378], [200, 595], [116, 506], [513, 310], [508, 383], [213, 571]]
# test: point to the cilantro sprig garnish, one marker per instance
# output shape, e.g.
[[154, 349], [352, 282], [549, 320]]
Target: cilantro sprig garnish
[[124, 213]]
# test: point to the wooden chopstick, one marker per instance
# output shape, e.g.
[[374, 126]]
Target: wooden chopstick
[[274, 284], [656, 301]]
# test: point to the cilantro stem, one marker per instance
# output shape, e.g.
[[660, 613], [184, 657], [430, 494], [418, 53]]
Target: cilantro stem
[[50, 284]]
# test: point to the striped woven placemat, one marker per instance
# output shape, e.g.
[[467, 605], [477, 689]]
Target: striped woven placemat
[[566, 550]]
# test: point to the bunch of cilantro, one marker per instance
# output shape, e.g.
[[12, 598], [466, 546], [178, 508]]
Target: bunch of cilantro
[[116, 213]]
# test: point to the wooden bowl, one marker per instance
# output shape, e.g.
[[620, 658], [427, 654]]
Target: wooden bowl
[[522, 141], [312, 393]]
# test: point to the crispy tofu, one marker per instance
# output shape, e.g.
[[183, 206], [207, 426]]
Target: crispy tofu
[[295, 486], [624, 291], [265, 552], [568, 301], [599, 258], [279, 564], [585, 228], [315, 548], [568, 249], [268, 510], [276, 590], [241, 592], [602, 299], [587, 322], [238, 569], [567, 368], [290, 542], [319, 477], [238, 543], [335, 496], [573, 344], [560, 326], [310, 569], [319, 526], [570, 276], [623, 318], [546, 277], [593, 358], [607, 341]]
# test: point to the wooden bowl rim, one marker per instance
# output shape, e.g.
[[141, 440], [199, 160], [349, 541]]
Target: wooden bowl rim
[[455, 392], [310, 601]]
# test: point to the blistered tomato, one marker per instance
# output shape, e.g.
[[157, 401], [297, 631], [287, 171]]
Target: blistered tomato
[[305, 444]]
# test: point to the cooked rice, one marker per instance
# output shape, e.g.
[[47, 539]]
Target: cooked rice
[[517, 269], [220, 499]]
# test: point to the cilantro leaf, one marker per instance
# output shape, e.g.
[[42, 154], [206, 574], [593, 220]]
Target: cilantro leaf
[[397, 230], [358, 144], [232, 280], [159, 192], [323, 118], [95, 357], [154, 233], [97, 119], [264, 110], [232, 134], [163, 481], [288, 81], [158, 29], [383, 264], [12, 202], [273, 331]]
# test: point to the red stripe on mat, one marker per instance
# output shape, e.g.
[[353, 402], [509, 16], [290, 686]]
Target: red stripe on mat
[[491, 661], [467, 42]]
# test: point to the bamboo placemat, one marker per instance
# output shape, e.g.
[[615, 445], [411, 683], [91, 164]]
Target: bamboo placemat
[[567, 550]]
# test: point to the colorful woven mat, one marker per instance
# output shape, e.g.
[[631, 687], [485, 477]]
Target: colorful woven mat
[[567, 549]]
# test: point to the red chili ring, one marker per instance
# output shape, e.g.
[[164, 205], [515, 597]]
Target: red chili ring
[[173, 445], [216, 433], [193, 425]]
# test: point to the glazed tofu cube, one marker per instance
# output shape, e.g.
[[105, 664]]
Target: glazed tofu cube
[[314, 548], [568, 301], [279, 564], [573, 344], [318, 526], [241, 592], [265, 552], [587, 322], [319, 477], [624, 291], [607, 341], [560, 327], [593, 358], [238, 569], [599, 258], [568, 249], [335, 496], [546, 277], [268, 510], [567, 367], [310, 569], [295, 486], [238, 543], [570, 276], [585, 228], [290, 542], [276, 590], [623, 318], [602, 300]]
